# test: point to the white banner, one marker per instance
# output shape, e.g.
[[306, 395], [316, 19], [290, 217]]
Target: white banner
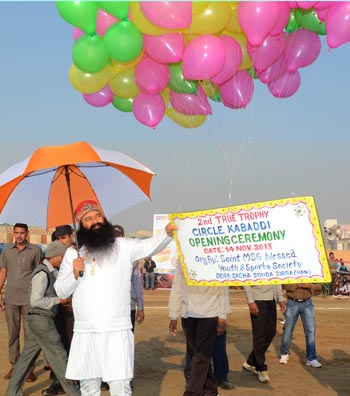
[[261, 243]]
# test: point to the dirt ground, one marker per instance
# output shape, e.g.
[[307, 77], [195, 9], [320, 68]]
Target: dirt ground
[[159, 358]]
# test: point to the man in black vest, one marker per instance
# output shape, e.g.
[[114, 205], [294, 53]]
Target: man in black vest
[[43, 306], [149, 267]]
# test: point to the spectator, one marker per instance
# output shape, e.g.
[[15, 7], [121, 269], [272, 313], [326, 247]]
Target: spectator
[[342, 267], [203, 312], [64, 319], [149, 267], [44, 335], [299, 303], [263, 315], [333, 264], [17, 262], [220, 363]]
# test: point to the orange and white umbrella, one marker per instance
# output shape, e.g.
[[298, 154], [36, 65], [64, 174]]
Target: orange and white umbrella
[[45, 188]]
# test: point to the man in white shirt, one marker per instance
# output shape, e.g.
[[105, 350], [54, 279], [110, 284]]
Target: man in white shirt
[[98, 277], [203, 312]]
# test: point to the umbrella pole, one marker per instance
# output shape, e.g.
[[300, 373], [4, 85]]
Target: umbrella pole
[[66, 173]]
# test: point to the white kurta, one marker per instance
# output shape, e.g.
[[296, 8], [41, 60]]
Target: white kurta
[[102, 345]]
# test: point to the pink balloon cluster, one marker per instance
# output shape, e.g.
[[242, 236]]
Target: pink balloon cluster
[[192, 52]]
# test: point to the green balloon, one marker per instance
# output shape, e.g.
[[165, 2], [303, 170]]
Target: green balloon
[[81, 14], [123, 104], [308, 19], [119, 9], [123, 41], [292, 24], [216, 97], [89, 54], [177, 82], [251, 71]]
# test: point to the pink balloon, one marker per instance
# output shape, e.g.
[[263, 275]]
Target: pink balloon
[[203, 58], [104, 21], [283, 18], [150, 76], [232, 61], [321, 5], [166, 48], [286, 85], [168, 14], [302, 48], [77, 33], [338, 24], [190, 104], [257, 18], [274, 72], [148, 109], [306, 4], [322, 14], [268, 52], [293, 4], [101, 98], [238, 91]]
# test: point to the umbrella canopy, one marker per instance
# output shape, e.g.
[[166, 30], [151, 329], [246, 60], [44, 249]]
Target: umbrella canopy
[[38, 190]]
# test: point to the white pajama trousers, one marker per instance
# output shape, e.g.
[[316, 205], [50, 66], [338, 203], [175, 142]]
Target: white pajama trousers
[[92, 387], [105, 356]]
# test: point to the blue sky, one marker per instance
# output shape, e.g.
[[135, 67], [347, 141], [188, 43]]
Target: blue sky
[[275, 148]]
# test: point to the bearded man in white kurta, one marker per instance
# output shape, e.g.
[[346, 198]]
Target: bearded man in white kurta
[[103, 345]]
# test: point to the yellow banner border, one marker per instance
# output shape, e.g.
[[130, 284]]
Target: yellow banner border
[[309, 201]]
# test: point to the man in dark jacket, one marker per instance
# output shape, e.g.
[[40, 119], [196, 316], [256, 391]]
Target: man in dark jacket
[[43, 306], [149, 267]]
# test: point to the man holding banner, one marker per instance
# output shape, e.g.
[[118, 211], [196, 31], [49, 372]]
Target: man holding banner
[[204, 311], [263, 314]]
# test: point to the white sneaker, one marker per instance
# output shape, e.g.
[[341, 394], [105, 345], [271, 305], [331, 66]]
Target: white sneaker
[[284, 359], [263, 376], [250, 368], [313, 363]]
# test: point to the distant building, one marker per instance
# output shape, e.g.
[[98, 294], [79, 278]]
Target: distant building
[[337, 236], [36, 235]]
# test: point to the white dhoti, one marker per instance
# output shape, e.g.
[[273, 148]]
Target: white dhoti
[[107, 355]]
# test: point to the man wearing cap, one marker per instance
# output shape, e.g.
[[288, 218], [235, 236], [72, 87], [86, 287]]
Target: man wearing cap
[[43, 304], [64, 234], [99, 280], [64, 319]]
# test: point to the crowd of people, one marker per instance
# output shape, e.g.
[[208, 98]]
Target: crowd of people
[[98, 271], [78, 306], [340, 283]]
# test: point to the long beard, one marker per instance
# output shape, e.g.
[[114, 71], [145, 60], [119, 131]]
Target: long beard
[[97, 240]]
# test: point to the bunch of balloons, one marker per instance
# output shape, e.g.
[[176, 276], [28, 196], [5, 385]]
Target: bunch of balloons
[[161, 59]]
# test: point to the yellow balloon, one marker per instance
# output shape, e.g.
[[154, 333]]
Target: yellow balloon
[[121, 66], [209, 88], [143, 24], [199, 6], [187, 121], [166, 96], [188, 36], [212, 19], [233, 25], [123, 84], [242, 40], [90, 83]]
